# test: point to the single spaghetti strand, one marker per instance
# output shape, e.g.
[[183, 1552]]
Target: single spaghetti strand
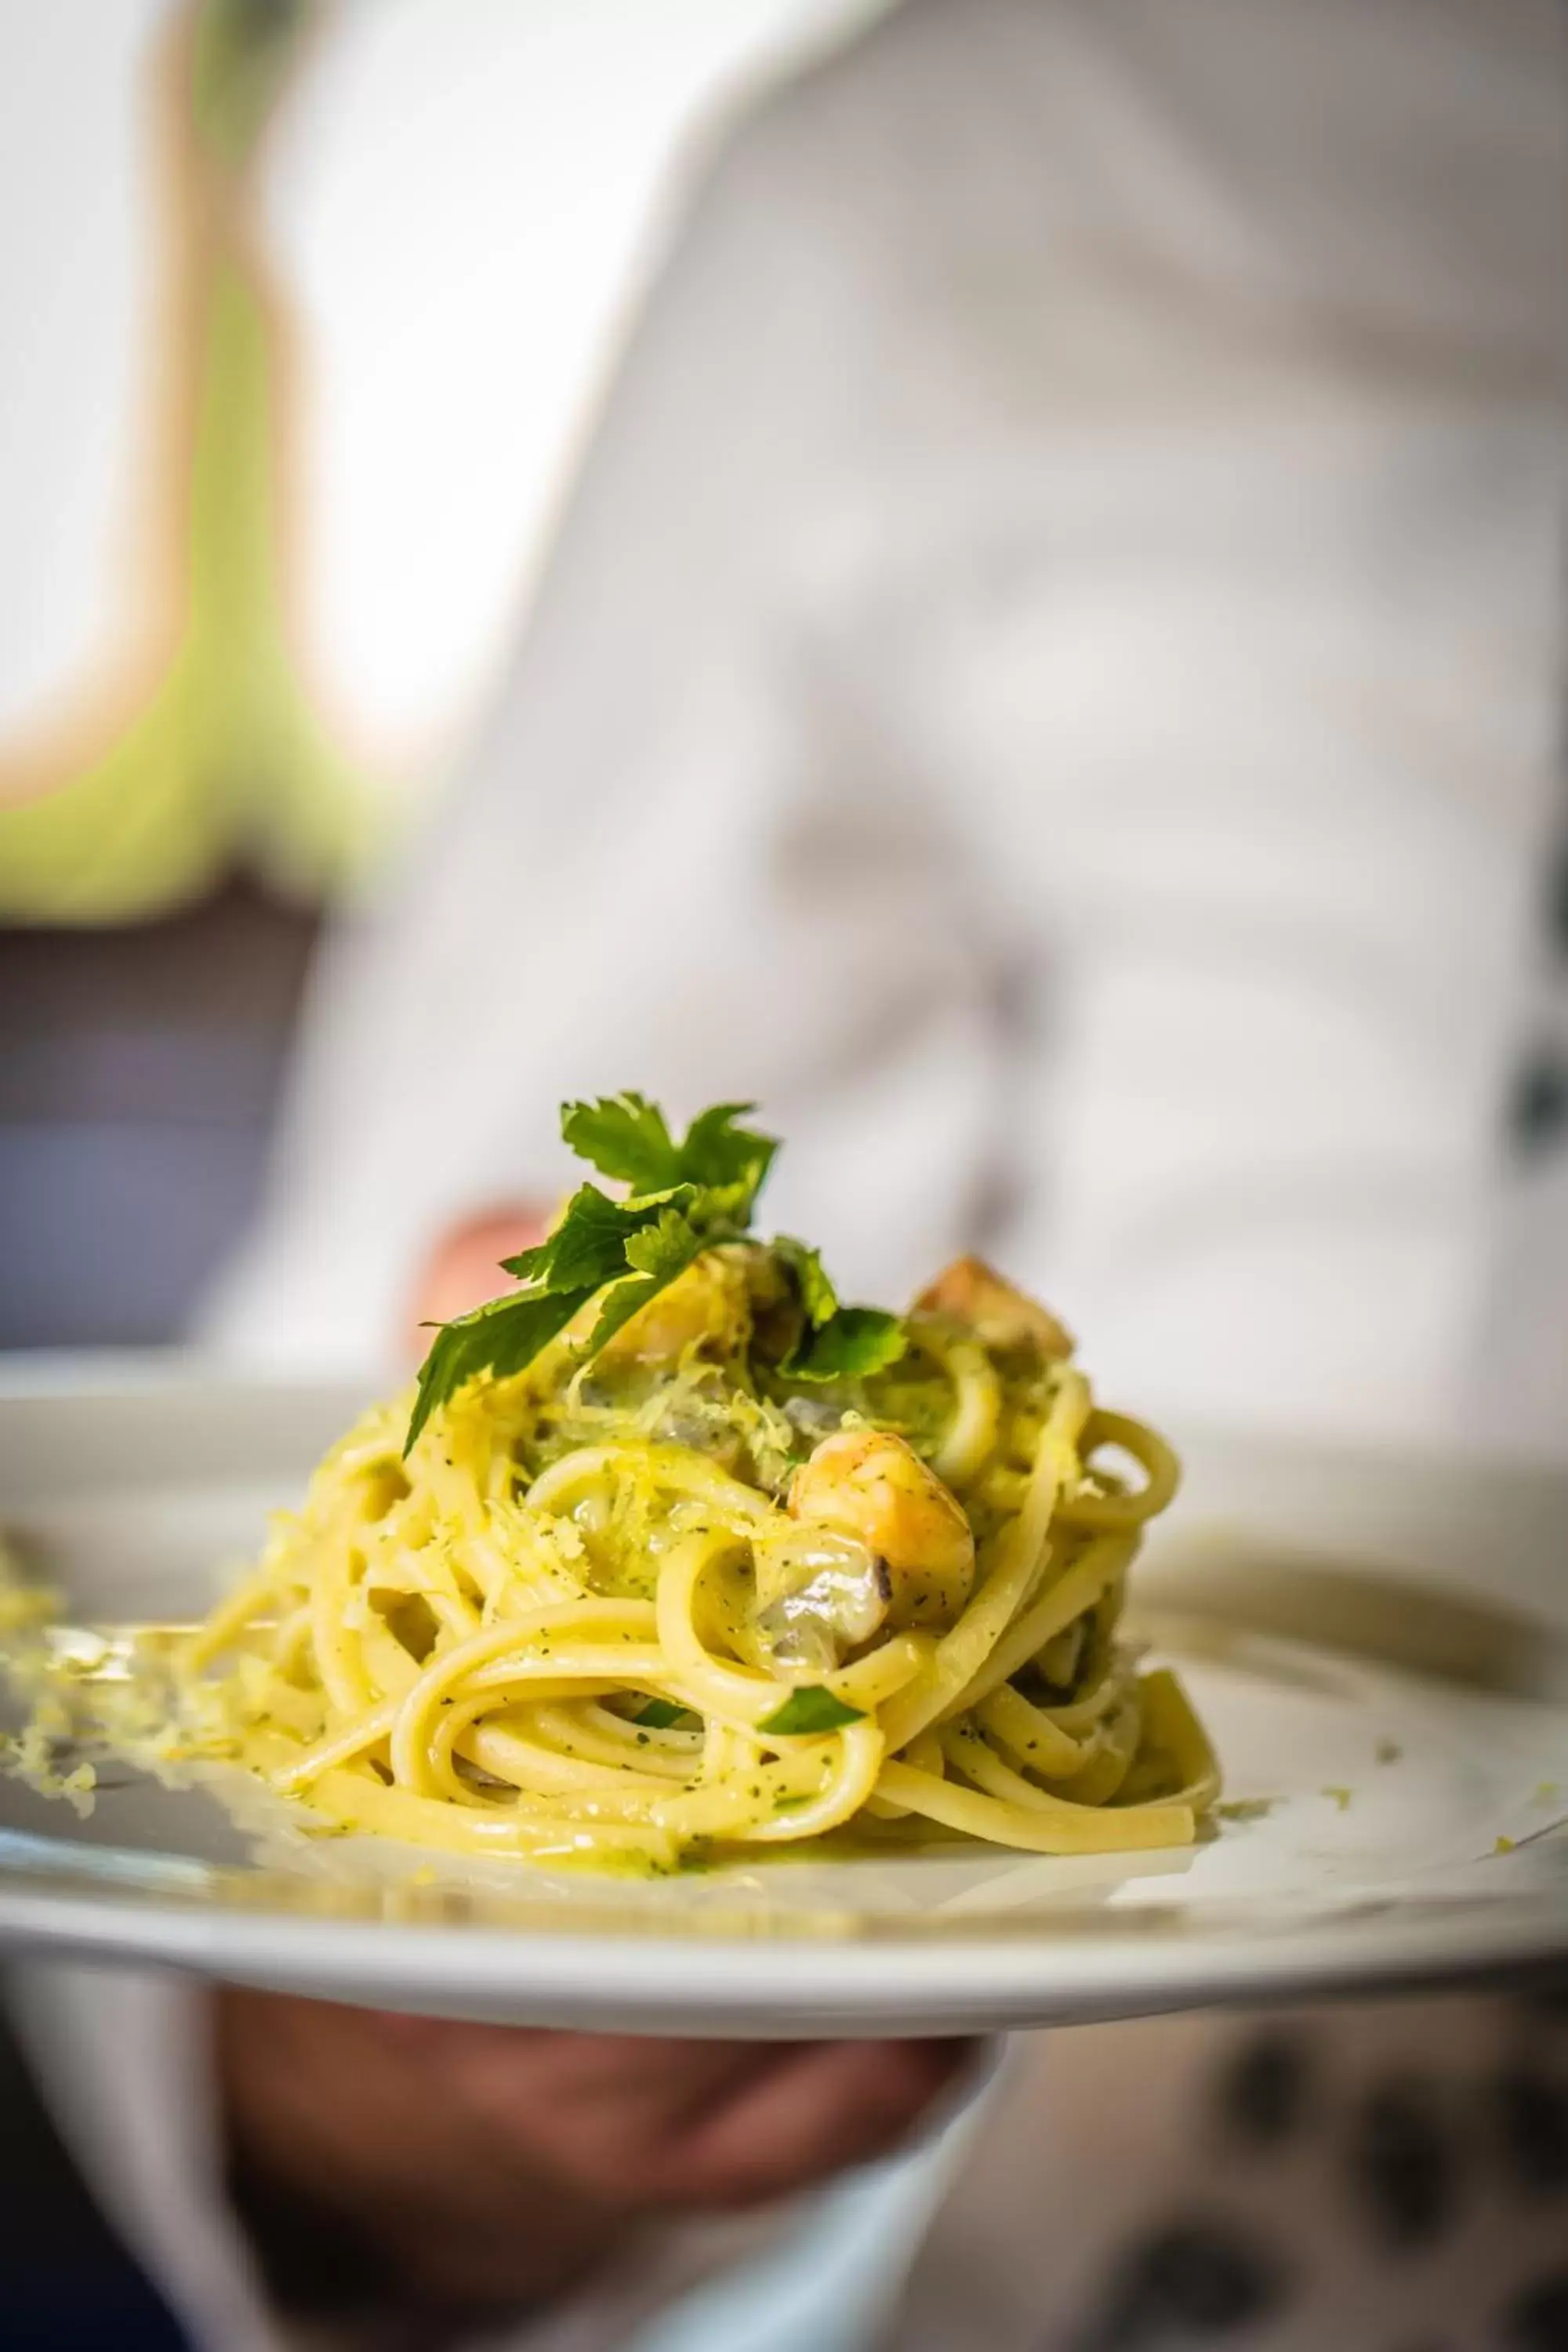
[[1053, 1827]]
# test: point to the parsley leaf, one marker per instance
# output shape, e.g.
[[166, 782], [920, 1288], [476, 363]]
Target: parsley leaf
[[853, 1342], [627, 1137], [624, 1136], [684, 1198], [717, 1152], [810, 1709], [667, 1244], [658, 1253], [590, 1244], [839, 1342], [501, 1337], [817, 1295]]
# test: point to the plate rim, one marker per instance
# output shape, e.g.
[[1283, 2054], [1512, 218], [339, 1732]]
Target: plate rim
[[764, 1989]]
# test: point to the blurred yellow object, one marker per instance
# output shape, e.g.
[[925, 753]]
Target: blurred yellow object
[[203, 751], [225, 763], [328, 298]]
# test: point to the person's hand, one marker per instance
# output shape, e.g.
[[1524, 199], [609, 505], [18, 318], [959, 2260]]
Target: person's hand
[[471, 2166]]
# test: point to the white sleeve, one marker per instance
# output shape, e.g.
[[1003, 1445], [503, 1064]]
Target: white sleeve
[[681, 862], [122, 2062]]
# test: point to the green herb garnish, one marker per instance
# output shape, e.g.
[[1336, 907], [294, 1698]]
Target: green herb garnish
[[686, 1197], [663, 1714], [626, 1136], [811, 1709], [853, 1342], [836, 1343]]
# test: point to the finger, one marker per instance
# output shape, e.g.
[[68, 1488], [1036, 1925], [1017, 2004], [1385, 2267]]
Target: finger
[[829, 2108], [599, 2113], [662, 2086]]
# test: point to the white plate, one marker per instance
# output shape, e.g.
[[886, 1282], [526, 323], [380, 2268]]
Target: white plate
[[1381, 1647]]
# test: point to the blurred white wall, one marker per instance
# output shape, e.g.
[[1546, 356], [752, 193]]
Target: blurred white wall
[[464, 205], [305, 308]]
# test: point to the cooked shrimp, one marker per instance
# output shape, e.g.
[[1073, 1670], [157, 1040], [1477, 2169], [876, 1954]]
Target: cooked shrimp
[[1000, 1315], [869, 1483]]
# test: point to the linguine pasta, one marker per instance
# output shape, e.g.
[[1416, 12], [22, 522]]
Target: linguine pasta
[[673, 1557], [631, 1611]]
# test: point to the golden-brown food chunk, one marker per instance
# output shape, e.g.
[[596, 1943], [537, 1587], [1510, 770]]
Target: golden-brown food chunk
[[869, 1483], [999, 1315]]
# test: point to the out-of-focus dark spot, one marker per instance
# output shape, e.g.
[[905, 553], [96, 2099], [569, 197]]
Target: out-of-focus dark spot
[[1538, 1116], [1198, 2278], [1550, 1997], [1532, 2120], [1557, 892], [1537, 2319], [1263, 2091], [1404, 2164]]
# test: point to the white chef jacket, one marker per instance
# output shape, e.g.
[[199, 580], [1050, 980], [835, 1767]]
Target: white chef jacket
[[1050, 682]]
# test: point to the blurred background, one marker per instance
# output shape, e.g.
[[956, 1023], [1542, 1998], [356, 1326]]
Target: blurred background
[[320, 303]]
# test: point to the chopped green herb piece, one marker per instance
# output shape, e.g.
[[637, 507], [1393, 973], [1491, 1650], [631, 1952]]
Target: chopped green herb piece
[[1246, 1809], [1388, 1752], [817, 1295], [1340, 1797], [852, 1343], [663, 1714], [810, 1709]]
